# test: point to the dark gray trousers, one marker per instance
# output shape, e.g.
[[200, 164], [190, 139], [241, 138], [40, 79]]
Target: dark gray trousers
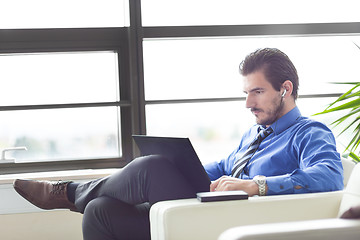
[[117, 207]]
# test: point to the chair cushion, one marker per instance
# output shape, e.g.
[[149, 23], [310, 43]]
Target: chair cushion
[[348, 166], [351, 197]]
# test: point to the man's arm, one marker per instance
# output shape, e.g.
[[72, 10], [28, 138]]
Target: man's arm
[[317, 178], [216, 170], [320, 168]]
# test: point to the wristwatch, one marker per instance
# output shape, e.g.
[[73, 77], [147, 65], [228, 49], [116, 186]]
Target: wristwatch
[[261, 182]]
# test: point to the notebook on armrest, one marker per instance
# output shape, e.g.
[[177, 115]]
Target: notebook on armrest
[[222, 196]]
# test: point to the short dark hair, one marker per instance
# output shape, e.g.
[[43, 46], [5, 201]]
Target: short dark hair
[[276, 66]]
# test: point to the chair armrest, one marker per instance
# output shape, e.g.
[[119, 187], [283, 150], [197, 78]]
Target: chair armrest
[[191, 219], [329, 229]]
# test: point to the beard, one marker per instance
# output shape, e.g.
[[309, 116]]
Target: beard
[[271, 115]]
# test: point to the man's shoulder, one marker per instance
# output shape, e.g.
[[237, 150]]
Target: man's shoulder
[[306, 126], [309, 122]]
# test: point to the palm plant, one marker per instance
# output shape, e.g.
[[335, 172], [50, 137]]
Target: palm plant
[[350, 100]]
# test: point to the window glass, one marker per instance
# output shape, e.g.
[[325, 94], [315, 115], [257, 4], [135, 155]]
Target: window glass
[[58, 78], [208, 68], [63, 14], [61, 134], [215, 129], [235, 12]]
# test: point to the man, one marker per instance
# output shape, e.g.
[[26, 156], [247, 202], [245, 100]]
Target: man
[[284, 153], [297, 156]]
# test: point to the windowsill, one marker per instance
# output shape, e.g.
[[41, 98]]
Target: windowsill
[[58, 175], [11, 202]]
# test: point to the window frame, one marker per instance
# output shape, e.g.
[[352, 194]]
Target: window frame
[[79, 40], [127, 41], [261, 30]]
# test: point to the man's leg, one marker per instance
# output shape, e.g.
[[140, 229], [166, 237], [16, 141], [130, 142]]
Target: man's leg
[[109, 219], [146, 179]]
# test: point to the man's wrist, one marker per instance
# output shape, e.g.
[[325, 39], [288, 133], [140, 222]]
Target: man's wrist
[[261, 182]]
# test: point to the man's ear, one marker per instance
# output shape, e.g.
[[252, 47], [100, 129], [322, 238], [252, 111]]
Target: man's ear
[[288, 88]]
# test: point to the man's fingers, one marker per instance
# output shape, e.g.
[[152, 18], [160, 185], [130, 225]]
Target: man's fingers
[[214, 185], [225, 184]]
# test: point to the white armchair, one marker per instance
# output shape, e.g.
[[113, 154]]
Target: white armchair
[[191, 219], [331, 228]]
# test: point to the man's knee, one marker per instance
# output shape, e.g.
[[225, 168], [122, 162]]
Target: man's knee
[[94, 207], [107, 218], [150, 162], [95, 220]]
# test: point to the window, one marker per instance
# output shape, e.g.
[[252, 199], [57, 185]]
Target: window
[[75, 89], [66, 98], [63, 14], [202, 76], [235, 12], [61, 134], [59, 78]]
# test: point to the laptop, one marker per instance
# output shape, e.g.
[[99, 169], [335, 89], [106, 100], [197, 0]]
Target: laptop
[[181, 153]]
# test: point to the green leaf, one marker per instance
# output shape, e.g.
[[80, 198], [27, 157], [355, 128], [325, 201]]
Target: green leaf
[[343, 118], [352, 104], [355, 140], [354, 156], [348, 126], [346, 96], [351, 83]]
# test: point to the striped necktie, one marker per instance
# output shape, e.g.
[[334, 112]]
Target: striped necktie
[[241, 162]]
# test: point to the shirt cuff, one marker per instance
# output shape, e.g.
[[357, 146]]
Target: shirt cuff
[[280, 185]]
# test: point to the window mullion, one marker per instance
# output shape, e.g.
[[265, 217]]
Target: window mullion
[[253, 30]]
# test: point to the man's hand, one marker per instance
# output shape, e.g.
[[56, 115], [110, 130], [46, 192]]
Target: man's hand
[[226, 183]]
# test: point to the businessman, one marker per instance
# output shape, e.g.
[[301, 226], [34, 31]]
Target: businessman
[[283, 153]]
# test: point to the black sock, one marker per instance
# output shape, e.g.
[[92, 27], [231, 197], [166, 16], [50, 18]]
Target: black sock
[[71, 187]]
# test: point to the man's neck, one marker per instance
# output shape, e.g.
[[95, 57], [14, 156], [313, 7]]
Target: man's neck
[[287, 108]]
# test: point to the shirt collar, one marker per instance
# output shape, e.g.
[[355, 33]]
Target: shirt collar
[[286, 121]]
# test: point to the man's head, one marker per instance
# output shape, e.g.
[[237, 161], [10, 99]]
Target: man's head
[[276, 66], [271, 83]]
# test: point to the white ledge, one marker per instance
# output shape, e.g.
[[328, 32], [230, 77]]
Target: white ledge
[[12, 203], [58, 175]]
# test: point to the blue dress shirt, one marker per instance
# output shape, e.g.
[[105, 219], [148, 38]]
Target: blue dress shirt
[[300, 156]]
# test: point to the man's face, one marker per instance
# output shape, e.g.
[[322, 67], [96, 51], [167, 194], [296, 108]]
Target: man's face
[[262, 99]]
